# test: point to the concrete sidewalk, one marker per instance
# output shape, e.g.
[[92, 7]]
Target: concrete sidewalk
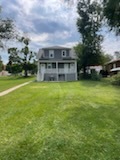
[[13, 88]]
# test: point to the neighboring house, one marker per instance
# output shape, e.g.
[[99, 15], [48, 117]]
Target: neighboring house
[[4, 73], [91, 69], [113, 67], [56, 64]]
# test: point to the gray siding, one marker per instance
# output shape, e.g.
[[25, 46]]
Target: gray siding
[[57, 54], [50, 77], [61, 77], [71, 77]]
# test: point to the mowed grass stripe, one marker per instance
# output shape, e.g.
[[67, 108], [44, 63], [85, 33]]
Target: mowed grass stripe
[[62, 121]]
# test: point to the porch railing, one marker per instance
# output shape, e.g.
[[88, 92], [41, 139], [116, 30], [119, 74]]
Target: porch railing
[[59, 70]]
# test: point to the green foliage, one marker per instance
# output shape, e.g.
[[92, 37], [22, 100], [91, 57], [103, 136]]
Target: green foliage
[[79, 52], [95, 76], [14, 68], [112, 13], [83, 76], [1, 64], [23, 56], [32, 67], [89, 24], [115, 80], [106, 58], [6, 29]]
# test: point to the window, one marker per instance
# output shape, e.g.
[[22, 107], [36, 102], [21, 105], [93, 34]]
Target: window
[[51, 53], [72, 66], [63, 53], [49, 65], [114, 65]]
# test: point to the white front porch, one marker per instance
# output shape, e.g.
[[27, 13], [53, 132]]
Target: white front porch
[[58, 68]]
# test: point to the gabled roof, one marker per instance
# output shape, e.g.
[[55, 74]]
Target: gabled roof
[[116, 60], [56, 47]]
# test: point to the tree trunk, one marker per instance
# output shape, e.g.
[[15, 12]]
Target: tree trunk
[[25, 69], [26, 74], [84, 72]]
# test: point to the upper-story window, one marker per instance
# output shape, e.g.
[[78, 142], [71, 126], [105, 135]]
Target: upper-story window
[[63, 53], [51, 53], [43, 55]]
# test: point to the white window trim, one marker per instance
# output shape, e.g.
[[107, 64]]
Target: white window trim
[[64, 53], [49, 65], [51, 52]]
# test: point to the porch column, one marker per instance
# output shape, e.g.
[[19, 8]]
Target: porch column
[[76, 69], [66, 70], [38, 72], [57, 70]]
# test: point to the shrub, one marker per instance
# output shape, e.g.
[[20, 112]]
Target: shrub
[[86, 76], [115, 80], [95, 76]]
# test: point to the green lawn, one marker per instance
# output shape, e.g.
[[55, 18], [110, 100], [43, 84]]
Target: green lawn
[[11, 81], [61, 121]]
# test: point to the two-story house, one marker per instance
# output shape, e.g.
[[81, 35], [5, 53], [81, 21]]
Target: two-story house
[[56, 64]]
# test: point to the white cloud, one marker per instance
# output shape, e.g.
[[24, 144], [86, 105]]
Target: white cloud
[[27, 5], [39, 38], [70, 44], [111, 43]]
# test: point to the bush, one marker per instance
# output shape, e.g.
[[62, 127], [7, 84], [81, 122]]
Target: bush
[[115, 80], [95, 76], [81, 76]]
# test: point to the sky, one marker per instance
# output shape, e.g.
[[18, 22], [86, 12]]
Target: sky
[[49, 23]]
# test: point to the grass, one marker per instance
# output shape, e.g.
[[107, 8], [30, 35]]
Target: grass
[[61, 121], [11, 81]]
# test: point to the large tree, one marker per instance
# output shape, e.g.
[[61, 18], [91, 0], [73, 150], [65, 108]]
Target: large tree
[[89, 24], [6, 29], [22, 56], [112, 13], [79, 52]]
